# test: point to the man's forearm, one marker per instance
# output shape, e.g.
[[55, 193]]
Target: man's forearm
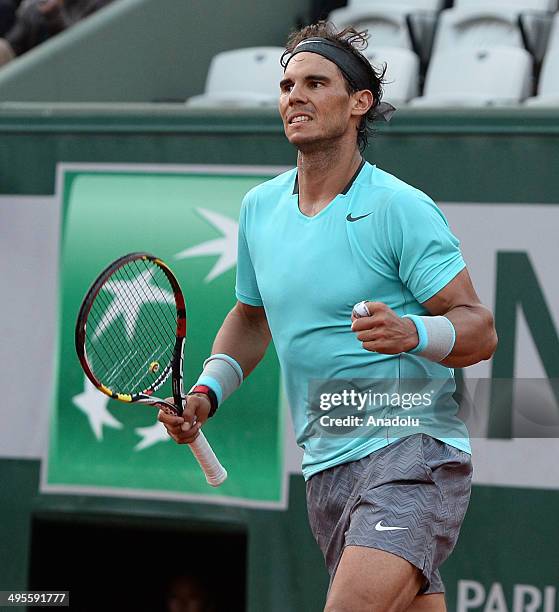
[[476, 338], [243, 336]]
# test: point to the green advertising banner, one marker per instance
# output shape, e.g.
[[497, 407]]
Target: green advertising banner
[[189, 219]]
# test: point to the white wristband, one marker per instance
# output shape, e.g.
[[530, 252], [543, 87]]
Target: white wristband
[[436, 337], [222, 374]]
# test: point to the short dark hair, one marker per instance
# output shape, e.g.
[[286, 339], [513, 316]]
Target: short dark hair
[[353, 41]]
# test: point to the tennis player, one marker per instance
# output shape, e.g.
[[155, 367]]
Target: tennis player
[[386, 504]]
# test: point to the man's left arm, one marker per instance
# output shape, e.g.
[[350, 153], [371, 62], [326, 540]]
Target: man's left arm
[[476, 339]]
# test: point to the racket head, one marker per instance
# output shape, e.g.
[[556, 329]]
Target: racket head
[[131, 329]]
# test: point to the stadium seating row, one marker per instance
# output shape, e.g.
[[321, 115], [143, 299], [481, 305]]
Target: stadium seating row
[[437, 5], [468, 71], [474, 25], [421, 27]]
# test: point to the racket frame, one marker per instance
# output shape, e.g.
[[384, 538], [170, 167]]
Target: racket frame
[[175, 365]]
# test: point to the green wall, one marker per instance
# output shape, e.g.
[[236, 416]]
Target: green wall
[[145, 50], [487, 157], [490, 156]]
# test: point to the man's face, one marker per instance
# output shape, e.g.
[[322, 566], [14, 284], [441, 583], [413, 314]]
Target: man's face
[[314, 103]]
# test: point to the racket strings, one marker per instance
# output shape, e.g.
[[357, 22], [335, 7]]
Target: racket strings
[[142, 293], [111, 347], [131, 328], [133, 294], [160, 280], [133, 364], [120, 363], [105, 309]]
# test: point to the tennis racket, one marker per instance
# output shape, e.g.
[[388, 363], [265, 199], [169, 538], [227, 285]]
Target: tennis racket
[[130, 336]]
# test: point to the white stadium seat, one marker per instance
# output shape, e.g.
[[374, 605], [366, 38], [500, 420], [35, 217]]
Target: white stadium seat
[[402, 72], [522, 5], [553, 42], [477, 27], [408, 5], [387, 26], [497, 76], [242, 78]]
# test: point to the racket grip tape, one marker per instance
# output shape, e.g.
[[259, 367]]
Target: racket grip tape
[[215, 473]]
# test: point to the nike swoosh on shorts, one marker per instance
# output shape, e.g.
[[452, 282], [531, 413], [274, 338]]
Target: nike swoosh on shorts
[[380, 527]]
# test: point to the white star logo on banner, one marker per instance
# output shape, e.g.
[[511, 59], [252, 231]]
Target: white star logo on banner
[[225, 247], [122, 306], [151, 435], [93, 404]]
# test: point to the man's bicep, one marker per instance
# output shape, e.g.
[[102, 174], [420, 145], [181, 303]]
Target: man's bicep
[[253, 317], [458, 292], [252, 313]]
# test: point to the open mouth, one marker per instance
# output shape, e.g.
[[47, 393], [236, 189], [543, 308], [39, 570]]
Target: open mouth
[[299, 119]]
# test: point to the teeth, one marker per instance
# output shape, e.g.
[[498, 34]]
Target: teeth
[[299, 119]]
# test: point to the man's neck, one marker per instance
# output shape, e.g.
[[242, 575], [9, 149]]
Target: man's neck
[[323, 174]]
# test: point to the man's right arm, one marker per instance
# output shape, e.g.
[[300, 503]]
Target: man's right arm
[[245, 336]]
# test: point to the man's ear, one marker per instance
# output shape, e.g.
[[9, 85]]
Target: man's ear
[[362, 102]]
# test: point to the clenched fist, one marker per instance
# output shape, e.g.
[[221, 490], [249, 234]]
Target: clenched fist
[[383, 331]]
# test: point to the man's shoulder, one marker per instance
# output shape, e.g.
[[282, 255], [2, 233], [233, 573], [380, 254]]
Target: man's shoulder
[[386, 185], [391, 193], [279, 185]]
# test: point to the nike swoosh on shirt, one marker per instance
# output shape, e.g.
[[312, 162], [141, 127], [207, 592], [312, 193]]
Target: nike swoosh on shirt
[[380, 527], [351, 219]]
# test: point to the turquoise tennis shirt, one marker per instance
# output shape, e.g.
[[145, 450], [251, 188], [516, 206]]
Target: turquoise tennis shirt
[[380, 240]]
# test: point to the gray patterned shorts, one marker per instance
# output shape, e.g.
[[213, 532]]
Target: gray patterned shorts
[[408, 498]]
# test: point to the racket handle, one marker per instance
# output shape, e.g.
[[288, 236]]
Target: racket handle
[[215, 473]]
